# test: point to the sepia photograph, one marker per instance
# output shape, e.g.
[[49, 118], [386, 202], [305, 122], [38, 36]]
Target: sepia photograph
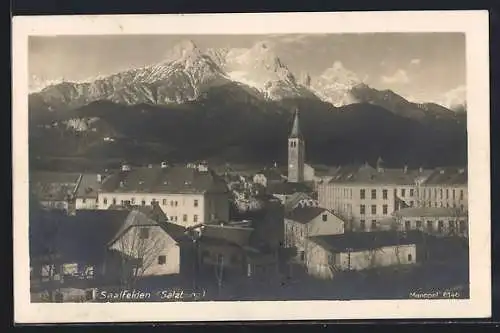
[[225, 169]]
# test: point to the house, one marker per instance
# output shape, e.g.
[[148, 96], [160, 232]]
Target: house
[[71, 250], [86, 196], [446, 188], [304, 222], [300, 199], [147, 249], [365, 195], [355, 251], [268, 176], [438, 221], [54, 190], [285, 190], [188, 196]]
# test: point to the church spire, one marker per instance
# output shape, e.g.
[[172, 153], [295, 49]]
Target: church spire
[[296, 133]]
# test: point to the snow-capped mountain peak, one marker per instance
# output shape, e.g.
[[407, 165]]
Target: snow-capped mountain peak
[[334, 85]]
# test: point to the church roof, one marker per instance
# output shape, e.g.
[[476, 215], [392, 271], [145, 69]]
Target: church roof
[[296, 133]]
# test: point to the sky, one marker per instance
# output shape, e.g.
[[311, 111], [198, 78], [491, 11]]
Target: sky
[[421, 67]]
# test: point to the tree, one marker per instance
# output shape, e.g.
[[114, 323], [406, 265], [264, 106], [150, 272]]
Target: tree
[[44, 233], [140, 247]]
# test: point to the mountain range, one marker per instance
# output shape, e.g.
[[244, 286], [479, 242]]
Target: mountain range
[[236, 104]]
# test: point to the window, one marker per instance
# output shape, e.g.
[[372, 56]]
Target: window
[[195, 218], [331, 259], [419, 225], [411, 203], [132, 201], [384, 194], [302, 256], [440, 226], [114, 201], [105, 201], [441, 193], [461, 207], [374, 209], [374, 194], [172, 203], [403, 192], [122, 202], [384, 209], [164, 202], [411, 192], [435, 193], [176, 204], [407, 225], [409, 257], [84, 200], [447, 194], [162, 260], [362, 193], [362, 225], [144, 233], [453, 193], [184, 218], [429, 226], [325, 217], [463, 227], [362, 209], [374, 224], [451, 226], [143, 202], [196, 202]]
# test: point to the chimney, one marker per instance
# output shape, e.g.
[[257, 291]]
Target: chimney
[[163, 164], [99, 178], [405, 169], [421, 169], [380, 165]]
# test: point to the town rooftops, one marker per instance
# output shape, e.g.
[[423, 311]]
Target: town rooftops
[[366, 174], [292, 201], [359, 241], [447, 176], [172, 179], [271, 174], [53, 186], [287, 188], [88, 186], [80, 237], [427, 212], [305, 214]]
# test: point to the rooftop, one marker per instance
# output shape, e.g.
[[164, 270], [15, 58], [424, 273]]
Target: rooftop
[[305, 214], [366, 174], [427, 212], [53, 186], [83, 236], [447, 176], [294, 199], [287, 188], [164, 180], [359, 241]]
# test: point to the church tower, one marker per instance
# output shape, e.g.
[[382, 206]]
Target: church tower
[[296, 152]]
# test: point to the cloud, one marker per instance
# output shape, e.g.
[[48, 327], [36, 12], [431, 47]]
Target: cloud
[[400, 76], [415, 62]]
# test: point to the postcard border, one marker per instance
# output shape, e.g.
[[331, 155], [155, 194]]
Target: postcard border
[[473, 23]]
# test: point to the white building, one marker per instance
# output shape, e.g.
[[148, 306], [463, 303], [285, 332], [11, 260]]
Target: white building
[[187, 196]]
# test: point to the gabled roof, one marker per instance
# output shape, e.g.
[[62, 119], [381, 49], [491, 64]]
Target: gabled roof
[[135, 218], [305, 214], [53, 186], [80, 237], [359, 241], [366, 174], [294, 199], [447, 176], [88, 186], [171, 179]]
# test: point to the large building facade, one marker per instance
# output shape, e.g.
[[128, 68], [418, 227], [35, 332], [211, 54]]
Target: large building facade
[[187, 196]]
